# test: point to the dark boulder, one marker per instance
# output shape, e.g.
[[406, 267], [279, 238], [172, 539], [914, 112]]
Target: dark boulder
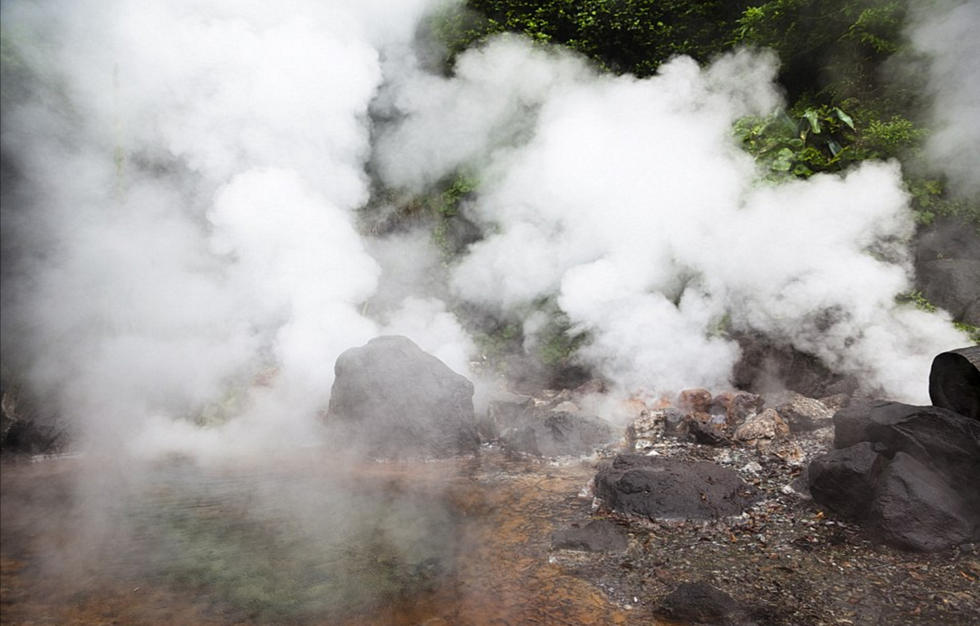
[[698, 603], [908, 473], [706, 429], [597, 536], [27, 426], [915, 508], [557, 433], [664, 488], [953, 284], [765, 363], [947, 267], [396, 400], [844, 480], [946, 441], [954, 381]]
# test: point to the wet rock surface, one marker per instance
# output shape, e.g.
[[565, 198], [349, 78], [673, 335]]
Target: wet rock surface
[[786, 559], [663, 488], [599, 535], [396, 400]]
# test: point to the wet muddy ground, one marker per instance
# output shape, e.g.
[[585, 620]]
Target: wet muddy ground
[[461, 541]]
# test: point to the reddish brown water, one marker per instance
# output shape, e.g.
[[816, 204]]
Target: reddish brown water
[[463, 541]]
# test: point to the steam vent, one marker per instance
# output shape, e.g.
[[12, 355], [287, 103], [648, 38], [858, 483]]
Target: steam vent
[[954, 382]]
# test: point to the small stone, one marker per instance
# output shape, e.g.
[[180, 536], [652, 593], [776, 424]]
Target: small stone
[[694, 400], [597, 536], [737, 406], [805, 414], [567, 407], [698, 602], [789, 452], [707, 429], [768, 425]]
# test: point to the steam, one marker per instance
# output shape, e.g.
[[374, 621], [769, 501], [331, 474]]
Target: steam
[[628, 201], [184, 233], [196, 167], [946, 32]]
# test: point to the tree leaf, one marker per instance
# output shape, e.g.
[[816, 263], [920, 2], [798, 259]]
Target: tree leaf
[[844, 117], [811, 116]]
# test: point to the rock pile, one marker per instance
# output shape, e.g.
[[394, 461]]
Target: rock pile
[[734, 418], [909, 473], [548, 428]]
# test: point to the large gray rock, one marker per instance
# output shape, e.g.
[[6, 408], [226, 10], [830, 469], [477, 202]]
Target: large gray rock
[[665, 488], [396, 400]]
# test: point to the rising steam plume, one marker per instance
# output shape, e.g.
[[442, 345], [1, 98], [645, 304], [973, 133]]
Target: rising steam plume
[[188, 176]]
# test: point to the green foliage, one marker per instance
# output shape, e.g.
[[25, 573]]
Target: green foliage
[[444, 206], [917, 299], [817, 139], [633, 36], [558, 340], [930, 200], [828, 47]]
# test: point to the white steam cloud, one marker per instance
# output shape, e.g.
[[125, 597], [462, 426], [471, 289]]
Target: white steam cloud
[[192, 171], [629, 200], [947, 33], [196, 166]]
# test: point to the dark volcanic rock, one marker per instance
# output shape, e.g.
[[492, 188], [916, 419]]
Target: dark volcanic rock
[[699, 603], [558, 433], [915, 508], [764, 364], [953, 284], [845, 479], [694, 400], [658, 487], [947, 268], [909, 473], [709, 430], [597, 536], [736, 406], [397, 400], [804, 414], [946, 441], [954, 381]]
